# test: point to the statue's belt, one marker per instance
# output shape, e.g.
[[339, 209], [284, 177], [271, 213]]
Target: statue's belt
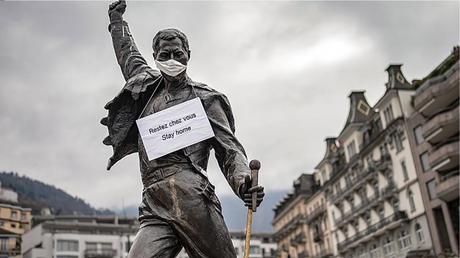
[[162, 173]]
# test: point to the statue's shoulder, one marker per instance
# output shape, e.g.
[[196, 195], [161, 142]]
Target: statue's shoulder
[[205, 91], [141, 81]]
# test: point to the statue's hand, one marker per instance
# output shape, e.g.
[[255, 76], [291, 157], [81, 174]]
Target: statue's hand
[[117, 9], [246, 192]]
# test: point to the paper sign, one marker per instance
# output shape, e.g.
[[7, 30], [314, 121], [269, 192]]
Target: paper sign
[[174, 128]]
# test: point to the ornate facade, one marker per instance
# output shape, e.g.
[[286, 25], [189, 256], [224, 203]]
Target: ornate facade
[[387, 185]]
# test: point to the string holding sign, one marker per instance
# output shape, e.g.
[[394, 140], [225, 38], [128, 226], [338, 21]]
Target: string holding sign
[[174, 128]]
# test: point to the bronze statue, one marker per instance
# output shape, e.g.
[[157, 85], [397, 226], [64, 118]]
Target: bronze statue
[[179, 207]]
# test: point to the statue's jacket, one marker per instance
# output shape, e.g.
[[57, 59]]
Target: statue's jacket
[[141, 83]]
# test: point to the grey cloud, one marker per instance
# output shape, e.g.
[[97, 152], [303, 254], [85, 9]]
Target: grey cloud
[[58, 70]]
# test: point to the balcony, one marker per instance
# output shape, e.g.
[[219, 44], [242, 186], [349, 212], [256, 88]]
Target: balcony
[[382, 165], [437, 92], [366, 203], [289, 227], [298, 239], [444, 158], [441, 126], [447, 190], [323, 254], [314, 214], [370, 232], [302, 254], [100, 253]]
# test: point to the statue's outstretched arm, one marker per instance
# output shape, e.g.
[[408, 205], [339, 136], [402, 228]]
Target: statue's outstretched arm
[[128, 56]]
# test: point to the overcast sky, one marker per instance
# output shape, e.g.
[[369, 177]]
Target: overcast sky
[[287, 68]]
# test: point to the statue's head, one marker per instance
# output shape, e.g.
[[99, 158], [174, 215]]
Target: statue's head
[[169, 47]]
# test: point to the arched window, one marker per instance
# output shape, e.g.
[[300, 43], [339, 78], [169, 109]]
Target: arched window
[[410, 194], [375, 251], [404, 239], [388, 246], [419, 233]]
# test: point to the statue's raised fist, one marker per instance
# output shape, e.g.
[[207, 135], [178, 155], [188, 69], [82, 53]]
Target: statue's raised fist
[[117, 9]]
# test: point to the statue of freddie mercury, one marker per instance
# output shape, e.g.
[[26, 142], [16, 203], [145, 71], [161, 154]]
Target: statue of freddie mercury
[[179, 207]]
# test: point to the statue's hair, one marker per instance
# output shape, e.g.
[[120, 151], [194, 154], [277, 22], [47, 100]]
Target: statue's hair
[[170, 34]]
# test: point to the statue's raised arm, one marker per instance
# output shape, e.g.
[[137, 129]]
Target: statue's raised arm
[[128, 56]]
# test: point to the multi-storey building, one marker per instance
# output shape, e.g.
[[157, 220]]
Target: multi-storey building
[[369, 178], [434, 131], [318, 238], [261, 245], [79, 237], [391, 177], [14, 221], [289, 223]]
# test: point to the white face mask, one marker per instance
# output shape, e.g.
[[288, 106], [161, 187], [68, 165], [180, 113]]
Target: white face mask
[[170, 67]]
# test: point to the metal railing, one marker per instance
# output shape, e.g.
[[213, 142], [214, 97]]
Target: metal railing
[[366, 203], [315, 213], [397, 216]]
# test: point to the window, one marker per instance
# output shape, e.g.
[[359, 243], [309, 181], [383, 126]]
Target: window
[[363, 107], [398, 142], [388, 114], [91, 245], [14, 215], [419, 233], [410, 194], [431, 185], [367, 218], [254, 249], [67, 245], [4, 244], [395, 204], [388, 246], [381, 212], [418, 134], [375, 252], [404, 240], [404, 170], [351, 148], [424, 161]]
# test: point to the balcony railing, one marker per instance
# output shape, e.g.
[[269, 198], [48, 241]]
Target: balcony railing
[[366, 203], [323, 254], [315, 213], [352, 184], [397, 216], [302, 254], [444, 158], [298, 239], [442, 126], [437, 92], [100, 253], [290, 226], [447, 189]]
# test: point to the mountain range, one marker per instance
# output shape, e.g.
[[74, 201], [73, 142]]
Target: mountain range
[[38, 195]]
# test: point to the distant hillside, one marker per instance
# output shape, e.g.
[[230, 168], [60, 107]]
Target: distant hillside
[[37, 195]]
